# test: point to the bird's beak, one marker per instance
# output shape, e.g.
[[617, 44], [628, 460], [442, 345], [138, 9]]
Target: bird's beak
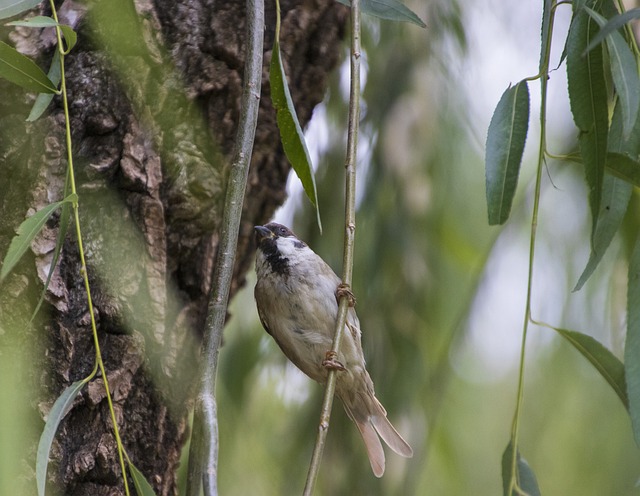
[[262, 233]]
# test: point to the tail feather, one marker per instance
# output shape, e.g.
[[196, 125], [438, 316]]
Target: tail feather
[[372, 427], [374, 447], [390, 435]]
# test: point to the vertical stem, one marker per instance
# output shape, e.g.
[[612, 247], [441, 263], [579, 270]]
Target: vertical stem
[[203, 455], [83, 264], [544, 76], [349, 237]]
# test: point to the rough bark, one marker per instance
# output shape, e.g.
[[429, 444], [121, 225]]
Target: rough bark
[[154, 92]]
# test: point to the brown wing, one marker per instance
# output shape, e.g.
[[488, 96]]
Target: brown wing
[[262, 319]]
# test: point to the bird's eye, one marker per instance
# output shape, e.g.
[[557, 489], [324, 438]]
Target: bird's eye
[[282, 231]]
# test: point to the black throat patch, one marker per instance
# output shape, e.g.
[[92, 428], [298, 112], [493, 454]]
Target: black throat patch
[[278, 263]]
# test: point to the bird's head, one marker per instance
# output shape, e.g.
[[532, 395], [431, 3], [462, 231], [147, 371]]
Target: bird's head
[[279, 246]]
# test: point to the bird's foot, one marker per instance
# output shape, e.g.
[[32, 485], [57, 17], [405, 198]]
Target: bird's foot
[[345, 290], [330, 362]]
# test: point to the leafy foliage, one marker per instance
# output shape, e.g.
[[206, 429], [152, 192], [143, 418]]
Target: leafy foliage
[[291, 133], [588, 98], [505, 146], [605, 362], [390, 10], [632, 343], [57, 413], [524, 476], [27, 231], [609, 153], [22, 71]]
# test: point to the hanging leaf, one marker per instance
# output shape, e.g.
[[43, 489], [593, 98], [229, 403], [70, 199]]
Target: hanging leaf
[[588, 99], [58, 412], [605, 362], [62, 231], [505, 145], [618, 142], [546, 21], [23, 71], [44, 99], [291, 133], [632, 342], [390, 10], [10, 8], [616, 194], [612, 25], [524, 476], [69, 34], [624, 72], [28, 230], [140, 482]]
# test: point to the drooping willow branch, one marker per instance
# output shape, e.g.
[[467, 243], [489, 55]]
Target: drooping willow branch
[[203, 454], [349, 237]]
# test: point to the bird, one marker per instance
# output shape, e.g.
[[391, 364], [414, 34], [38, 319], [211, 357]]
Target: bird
[[297, 295]]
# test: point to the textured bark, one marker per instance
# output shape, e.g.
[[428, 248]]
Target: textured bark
[[154, 101]]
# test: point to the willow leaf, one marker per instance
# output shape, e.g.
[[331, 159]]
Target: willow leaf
[[505, 145]]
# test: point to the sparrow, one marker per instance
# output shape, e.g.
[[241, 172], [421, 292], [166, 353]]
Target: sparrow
[[296, 296]]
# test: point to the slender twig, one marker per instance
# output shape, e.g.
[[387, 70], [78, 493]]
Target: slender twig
[[544, 72], [83, 263], [349, 236], [203, 455]]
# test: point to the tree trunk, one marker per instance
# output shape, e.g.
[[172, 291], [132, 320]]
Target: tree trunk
[[154, 93]]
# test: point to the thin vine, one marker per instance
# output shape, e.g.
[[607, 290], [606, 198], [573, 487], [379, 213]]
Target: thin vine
[[515, 429], [83, 269]]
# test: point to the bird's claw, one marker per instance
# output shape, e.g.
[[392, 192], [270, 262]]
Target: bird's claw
[[330, 362], [345, 291]]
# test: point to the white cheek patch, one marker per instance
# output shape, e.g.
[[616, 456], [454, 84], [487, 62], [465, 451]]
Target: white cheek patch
[[291, 248]]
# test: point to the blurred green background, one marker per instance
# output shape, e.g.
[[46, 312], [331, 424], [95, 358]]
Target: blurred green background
[[440, 293]]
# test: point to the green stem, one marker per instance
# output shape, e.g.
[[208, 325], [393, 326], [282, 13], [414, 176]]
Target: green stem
[[83, 264], [349, 237], [544, 72]]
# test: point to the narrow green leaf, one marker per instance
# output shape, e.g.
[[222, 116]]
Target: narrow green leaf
[[44, 99], [10, 8], [35, 22], [69, 34], [623, 157], [616, 194], [618, 142], [624, 168], [588, 99], [632, 342], [70, 37], [546, 20], [390, 10], [505, 145], [524, 476], [624, 72], [143, 488], [58, 411], [291, 133], [26, 232], [612, 25], [62, 231], [605, 362], [23, 71]]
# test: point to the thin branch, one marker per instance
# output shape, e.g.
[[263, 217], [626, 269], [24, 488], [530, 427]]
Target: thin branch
[[349, 237], [203, 454], [514, 484]]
